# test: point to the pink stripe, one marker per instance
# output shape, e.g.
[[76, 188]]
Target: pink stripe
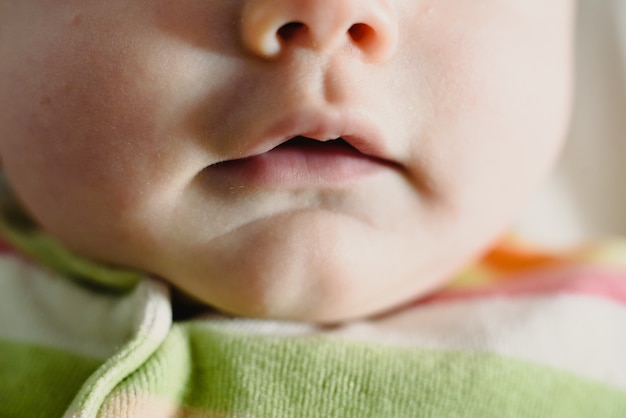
[[574, 280], [5, 247]]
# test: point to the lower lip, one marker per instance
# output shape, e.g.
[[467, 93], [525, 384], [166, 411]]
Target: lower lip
[[316, 164]]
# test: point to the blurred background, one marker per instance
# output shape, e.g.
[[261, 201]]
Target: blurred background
[[586, 196]]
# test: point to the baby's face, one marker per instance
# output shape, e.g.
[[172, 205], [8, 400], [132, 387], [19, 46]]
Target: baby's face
[[157, 134]]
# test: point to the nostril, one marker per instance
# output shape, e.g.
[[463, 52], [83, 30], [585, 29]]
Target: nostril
[[360, 32], [376, 40], [271, 27], [289, 30]]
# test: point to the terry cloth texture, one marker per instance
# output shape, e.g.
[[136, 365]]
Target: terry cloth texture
[[522, 334]]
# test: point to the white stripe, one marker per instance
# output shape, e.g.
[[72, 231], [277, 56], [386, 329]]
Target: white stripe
[[40, 308], [582, 335]]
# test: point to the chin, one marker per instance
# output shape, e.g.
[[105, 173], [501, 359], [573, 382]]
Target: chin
[[322, 285], [326, 284], [305, 267]]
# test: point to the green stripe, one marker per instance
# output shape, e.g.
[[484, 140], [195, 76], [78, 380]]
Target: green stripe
[[210, 370], [49, 252], [39, 382]]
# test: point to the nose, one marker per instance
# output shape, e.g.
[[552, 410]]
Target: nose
[[270, 27]]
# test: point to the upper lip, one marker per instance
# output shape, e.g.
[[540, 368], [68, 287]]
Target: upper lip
[[355, 129]]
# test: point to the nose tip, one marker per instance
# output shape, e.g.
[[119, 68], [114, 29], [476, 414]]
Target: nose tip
[[270, 27]]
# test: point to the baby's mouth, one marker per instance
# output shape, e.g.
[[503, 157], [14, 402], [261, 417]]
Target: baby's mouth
[[300, 161], [306, 144]]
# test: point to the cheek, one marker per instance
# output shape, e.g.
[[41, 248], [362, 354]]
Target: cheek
[[500, 91], [497, 84], [80, 129], [71, 133]]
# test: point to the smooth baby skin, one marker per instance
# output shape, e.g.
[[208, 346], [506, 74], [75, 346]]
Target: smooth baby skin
[[138, 132]]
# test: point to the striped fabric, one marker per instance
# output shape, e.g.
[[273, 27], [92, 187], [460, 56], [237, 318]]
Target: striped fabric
[[521, 334]]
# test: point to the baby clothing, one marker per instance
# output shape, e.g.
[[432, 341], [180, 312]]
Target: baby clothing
[[520, 334]]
